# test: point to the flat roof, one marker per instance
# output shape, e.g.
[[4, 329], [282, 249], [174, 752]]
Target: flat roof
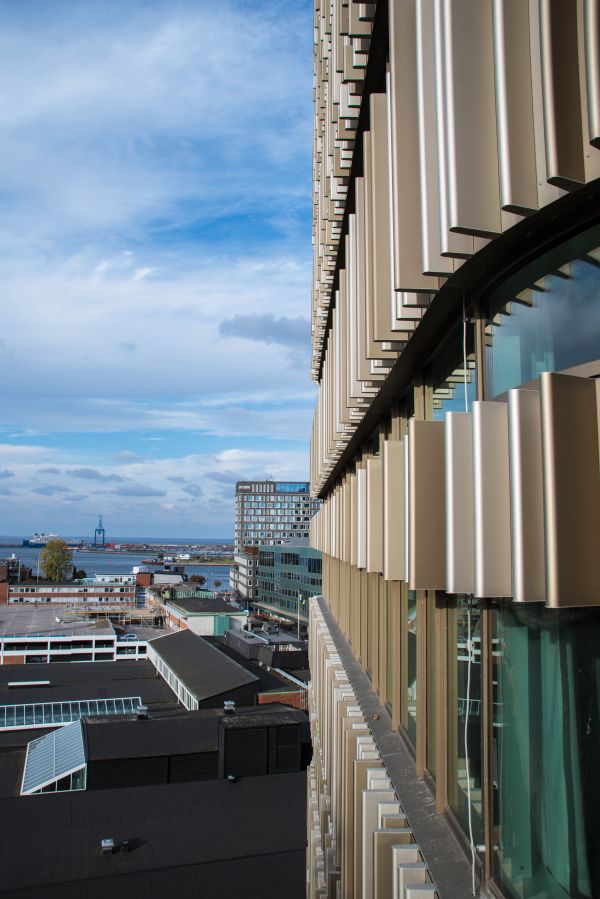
[[25, 619], [200, 605], [201, 838], [201, 668], [133, 738], [180, 733], [85, 680]]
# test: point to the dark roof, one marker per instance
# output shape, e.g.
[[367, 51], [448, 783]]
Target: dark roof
[[133, 738], [179, 733], [209, 839], [11, 772], [262, 877], [269, 680], [202, 604], [85, 680], [204, 670]]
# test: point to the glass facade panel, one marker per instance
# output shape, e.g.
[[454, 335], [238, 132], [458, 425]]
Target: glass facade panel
[[464, 715], [411, 704], [547, 316], [431, 685], [454, 386], [546, 747]]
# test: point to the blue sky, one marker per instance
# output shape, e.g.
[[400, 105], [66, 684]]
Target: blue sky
[[155, 260]]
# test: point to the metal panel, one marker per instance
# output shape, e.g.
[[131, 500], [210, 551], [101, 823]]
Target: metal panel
[[527, 496], [374, 516], [491, 502], [427, 505], [404, 128], [561, 96], [471, 149], [361, 518], [380, 220], [592, 67], [393, 510], [460, 559], [514, 106], [570, 453], [433, 261], [353, 519], [406, 512]]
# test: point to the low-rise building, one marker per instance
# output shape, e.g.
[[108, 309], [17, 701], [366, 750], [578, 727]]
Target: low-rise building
[[202, 611], [101, 588], [55, 634]]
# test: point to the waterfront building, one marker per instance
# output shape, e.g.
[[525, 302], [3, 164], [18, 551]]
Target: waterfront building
[[456, 345], [287, 576], [267, 513], [271, 512]]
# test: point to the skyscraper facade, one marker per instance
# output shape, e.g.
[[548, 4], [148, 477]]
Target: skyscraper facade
[[267, 513], [455, 698], [270, 512]]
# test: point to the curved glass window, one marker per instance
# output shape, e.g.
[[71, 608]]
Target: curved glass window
[[547, 316]]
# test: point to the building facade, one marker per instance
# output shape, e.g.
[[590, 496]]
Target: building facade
[[287, 577], [101, 588], [271, 512], [456, 345], [242, 574]]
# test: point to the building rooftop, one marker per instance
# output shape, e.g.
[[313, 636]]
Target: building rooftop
[[135, 738], [204, 670], [269, 680], [85, 680], [22, 620], [200, 605], [182, 732], [191, 839]]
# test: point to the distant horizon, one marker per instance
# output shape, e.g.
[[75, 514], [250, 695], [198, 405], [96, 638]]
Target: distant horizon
[[125, 539]]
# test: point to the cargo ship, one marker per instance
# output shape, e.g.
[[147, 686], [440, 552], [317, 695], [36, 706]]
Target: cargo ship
[[40, 540]]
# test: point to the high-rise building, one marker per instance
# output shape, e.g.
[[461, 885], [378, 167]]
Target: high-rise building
[[456, 342], [271, 512], [267, 513]]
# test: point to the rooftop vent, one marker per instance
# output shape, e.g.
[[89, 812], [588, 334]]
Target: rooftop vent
[[229, 706], [107, 846]]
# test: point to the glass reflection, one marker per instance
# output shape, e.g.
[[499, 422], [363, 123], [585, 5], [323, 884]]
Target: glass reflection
[[411, 706], [547, 316], [546, 748], [464, 715]]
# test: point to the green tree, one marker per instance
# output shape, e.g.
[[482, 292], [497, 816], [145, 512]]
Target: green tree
[[56, 560], [198, 579], [218, 584]]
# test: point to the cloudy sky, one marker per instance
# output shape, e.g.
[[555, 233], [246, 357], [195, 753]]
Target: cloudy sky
[[155, 260]]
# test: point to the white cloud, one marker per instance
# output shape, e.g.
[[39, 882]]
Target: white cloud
[[151, 191]]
